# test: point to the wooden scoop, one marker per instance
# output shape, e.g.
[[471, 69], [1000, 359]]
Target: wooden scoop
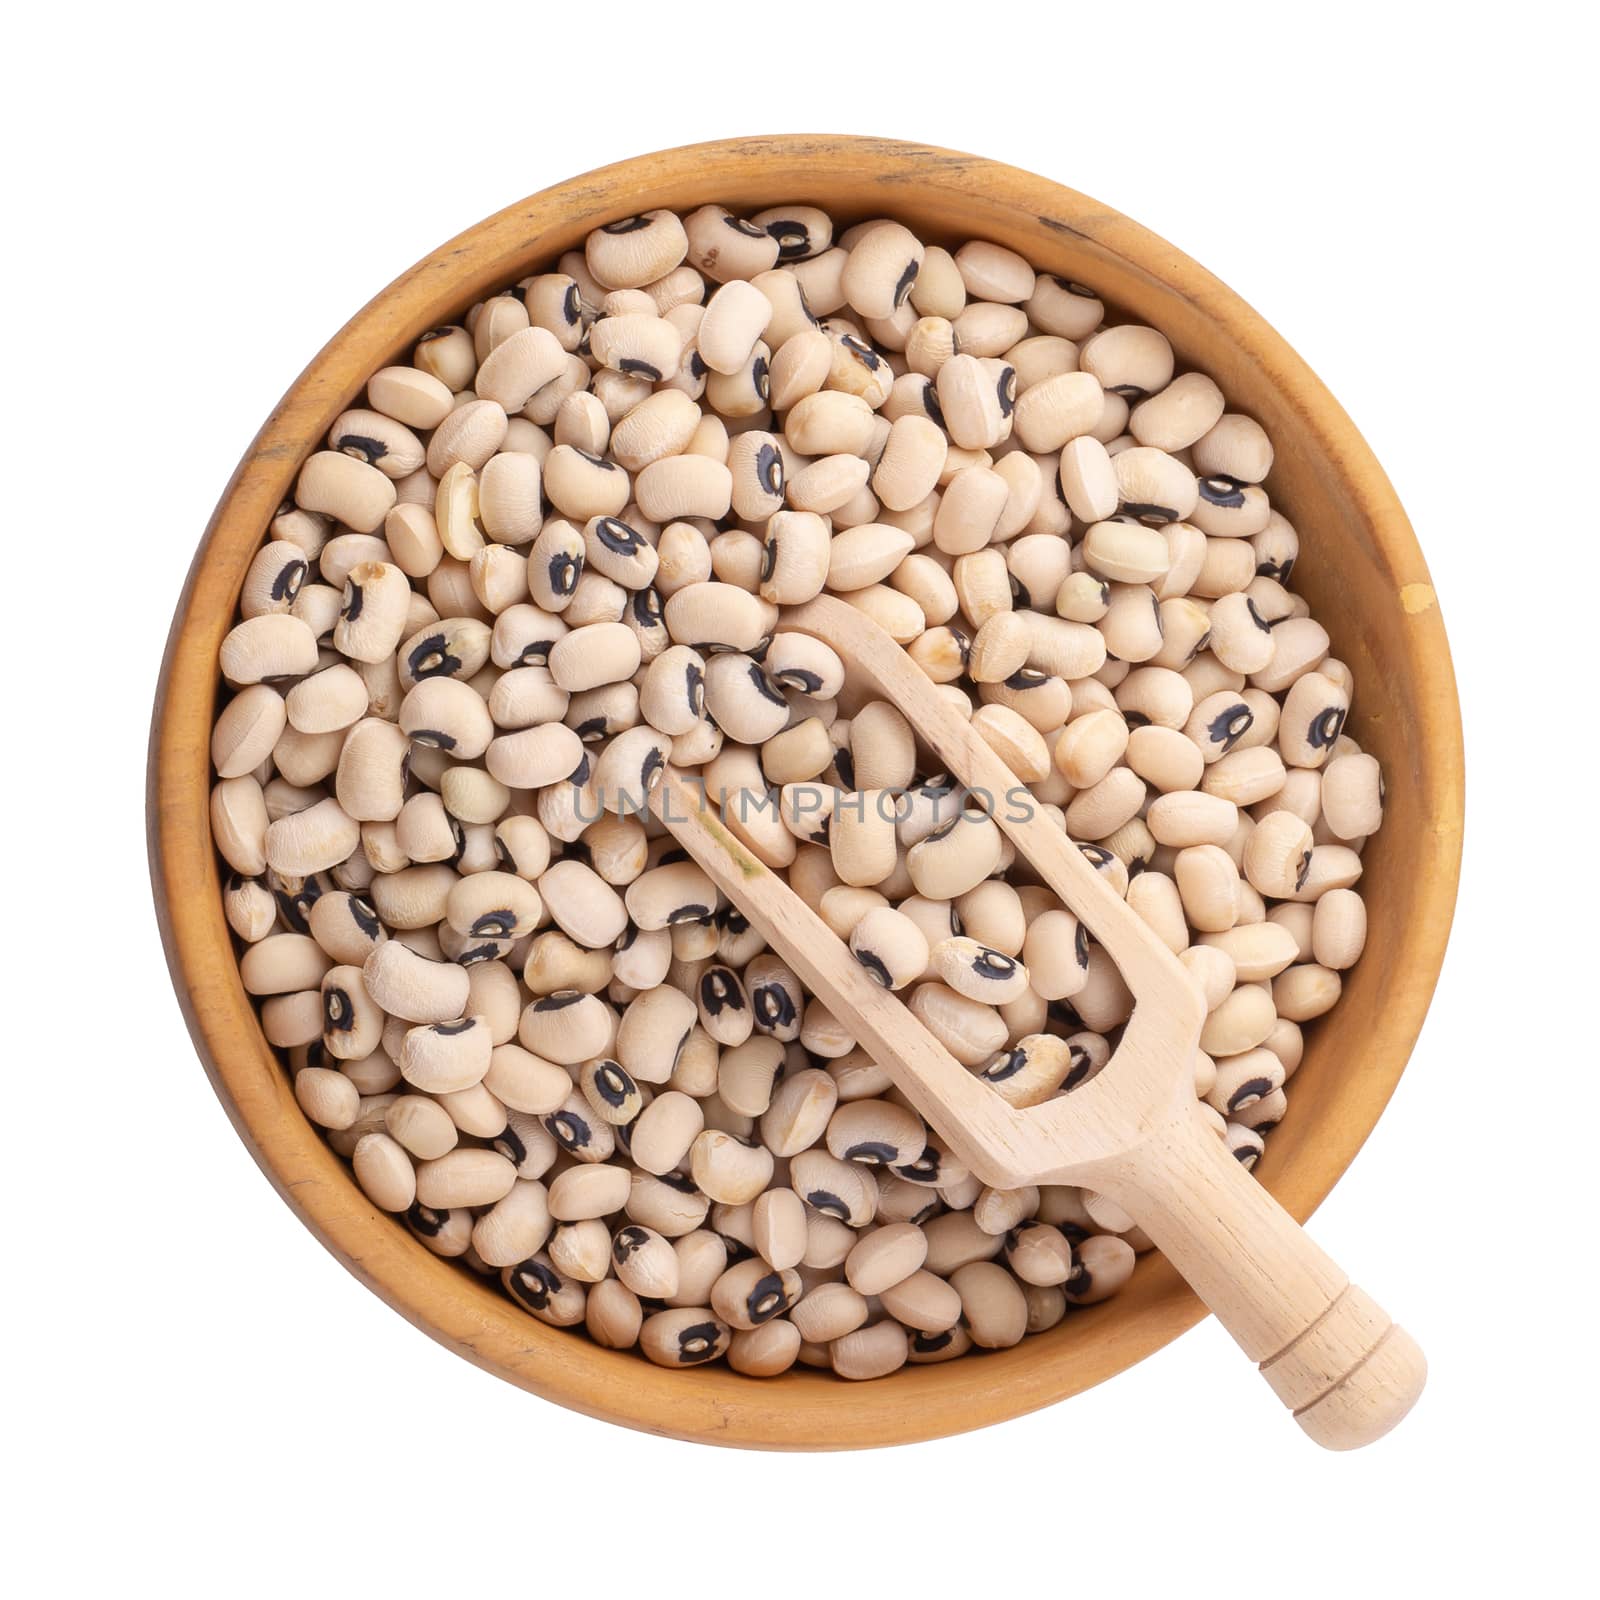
[[1133, 1132]]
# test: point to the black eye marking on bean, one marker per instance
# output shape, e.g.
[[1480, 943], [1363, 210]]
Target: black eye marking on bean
[[793, 239], [426, 1220], [930, 402], [626, 1242], [748, 229], [1027, 678], [615, 534], [1145, 511], [626, 225], [925, 1169], [511, 1145], [1278, 572], [1005, 1065], [612, 1084], [828, 1203], [765, 687], [1131, 392], [1246, 1154], [571, 305], [433, 739], [769, 469], [592, 729], [720, 990], [845, 765], [338, 1015], [1082, 291], [451, 1030], [927, 1344], [1006, 390], [535, 1284], [579, 775], [1256, 617], [1303, 871], [697, 366], [773, 1006], [688, 913], [875, 968], [760, 377], [586, 344], [435, 333], [698, 1342], [431, 658], [569, 1130], [633, 367], [1325, 729], [767, 1299], [1161, 622], [1097, 855], [493, 925], [993, 965], [564, 569], [1082, 1061], [354, 599], [1080, 946], [652, 767], [680, 1181], [370, 450], [1228, 727], [863, 352], [903, 285], [1252, 1089], [1221, 490], [871, 1153], [287, 583]]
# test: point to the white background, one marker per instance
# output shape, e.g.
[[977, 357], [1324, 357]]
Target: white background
[[201, 1400]]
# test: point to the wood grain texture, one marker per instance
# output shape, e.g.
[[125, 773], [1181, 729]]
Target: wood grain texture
[[1361, 570]]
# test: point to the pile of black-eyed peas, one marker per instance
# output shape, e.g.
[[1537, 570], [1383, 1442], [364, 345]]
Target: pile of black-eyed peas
[[552, 555]]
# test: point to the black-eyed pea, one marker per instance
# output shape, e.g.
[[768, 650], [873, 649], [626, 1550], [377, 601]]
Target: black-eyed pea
[[613, 1315], [753, 1292], [748, 1073], [988, 330], [567, 1027], [384, 1171], [1228, 509], [829, 1312], [327, 1097], [1206, 880], [859, 1077], [971, 1031], [1338, 929], [1245, 776], [870, 1352], [729, 1169], [634, 251], [1039, 1254], [876, 1133], [719, 616], [802, 1105], [1240, 1023], [1101, 1265], [889, 945], [992, 1304], [955, 857], [724, 1006], [929, 343], [978, 972], [764, 1351], [1313, 717], [778, 1228], [593, 1190], [1166, 759], [250, 908], [515, 1227], [1277, 856], [1306, 991], [539, 1288], [1242, 1080]]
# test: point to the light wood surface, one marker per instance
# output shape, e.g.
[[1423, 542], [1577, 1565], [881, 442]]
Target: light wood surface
[[1361, 570], [1134, 1131]]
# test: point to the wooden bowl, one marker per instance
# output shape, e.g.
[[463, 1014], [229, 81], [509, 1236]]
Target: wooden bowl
[[1362, 573]]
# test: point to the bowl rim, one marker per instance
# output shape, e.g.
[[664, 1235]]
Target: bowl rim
[[803, 1409]]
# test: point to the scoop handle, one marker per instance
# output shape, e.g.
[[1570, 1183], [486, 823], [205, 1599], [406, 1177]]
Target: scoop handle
[[1329, 1351]]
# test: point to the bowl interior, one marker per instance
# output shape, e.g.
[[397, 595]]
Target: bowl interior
[[1360, 569]]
